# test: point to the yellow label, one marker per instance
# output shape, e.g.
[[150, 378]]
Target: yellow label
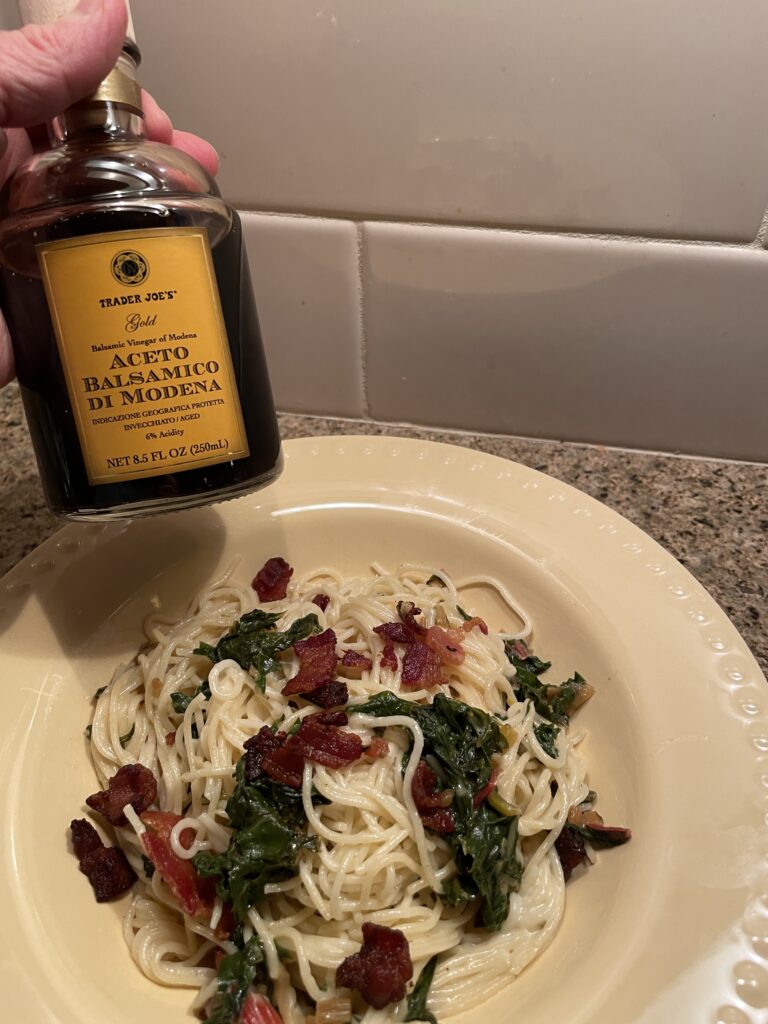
[[142, 340]]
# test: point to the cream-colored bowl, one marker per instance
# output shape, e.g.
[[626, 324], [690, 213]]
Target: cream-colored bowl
[[669, 929]]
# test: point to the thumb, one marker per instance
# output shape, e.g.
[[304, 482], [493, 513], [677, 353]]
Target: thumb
[[46, 68]]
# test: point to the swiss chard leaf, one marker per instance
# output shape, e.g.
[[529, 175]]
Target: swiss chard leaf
[[237, 972], [459, 742], [128, 736], [547, 734], [551, 702], [265, 845], [181, 701], [416, 1007], [254, 643], [485, 851]]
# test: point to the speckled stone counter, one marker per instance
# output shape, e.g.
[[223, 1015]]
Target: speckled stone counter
[[711, 515]]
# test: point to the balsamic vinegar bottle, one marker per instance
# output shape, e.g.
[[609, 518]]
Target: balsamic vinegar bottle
[[128, 297]]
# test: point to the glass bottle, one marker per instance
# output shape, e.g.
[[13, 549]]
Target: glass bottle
[[127, 293]]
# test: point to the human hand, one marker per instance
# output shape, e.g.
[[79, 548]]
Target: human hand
[[46, 68]]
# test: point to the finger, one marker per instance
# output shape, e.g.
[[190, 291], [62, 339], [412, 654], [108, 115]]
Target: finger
[[156, 121], [7, 369], [198, 148], [160, 129], [46, 68], [17, 149]]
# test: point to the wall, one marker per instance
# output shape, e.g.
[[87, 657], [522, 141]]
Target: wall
[[539, 219]]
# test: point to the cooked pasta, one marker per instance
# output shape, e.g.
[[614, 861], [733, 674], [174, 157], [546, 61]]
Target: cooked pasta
[[373, 858]]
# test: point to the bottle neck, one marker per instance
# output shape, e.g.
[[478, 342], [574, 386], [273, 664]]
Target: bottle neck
[[113, 113], [101, 122]]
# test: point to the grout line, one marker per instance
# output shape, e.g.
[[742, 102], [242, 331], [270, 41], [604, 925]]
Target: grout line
[[361, 318], [755, 244], [551, 442]]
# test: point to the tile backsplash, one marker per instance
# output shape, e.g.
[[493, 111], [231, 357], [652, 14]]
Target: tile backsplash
[[540, 219]]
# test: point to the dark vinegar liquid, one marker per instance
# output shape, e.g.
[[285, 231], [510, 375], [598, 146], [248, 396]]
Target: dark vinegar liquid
[[49, 411]]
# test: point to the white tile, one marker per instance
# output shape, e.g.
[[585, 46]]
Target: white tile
[[648, 345], [305, 276], [642, 118]]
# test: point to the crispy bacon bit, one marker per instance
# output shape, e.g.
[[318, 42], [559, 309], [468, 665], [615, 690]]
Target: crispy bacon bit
[[285, 765], [470, 624], [446, 643], [105, 867], [408, 611], [170, 738], [571, 850], [321, 600], [482, 794], [382, 968], [257, 748], [421, 666], [330, 717], [317, 663], [378, 747], [329, 695], [193, 894], [271, 581], [132, 784], [257, 1009], [395, 632], [388, 656], [318, 739], [327, 744], [354, 664], [431, 804]]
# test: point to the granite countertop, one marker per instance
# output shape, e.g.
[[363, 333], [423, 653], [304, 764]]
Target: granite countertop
[[710, 514]]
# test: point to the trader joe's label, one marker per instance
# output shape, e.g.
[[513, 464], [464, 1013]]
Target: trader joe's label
[[142, 340]]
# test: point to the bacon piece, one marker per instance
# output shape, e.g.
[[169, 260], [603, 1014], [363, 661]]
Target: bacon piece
[[470, 624], [378, 747], [395, 632], [271, 581], [408, 611], [354, 664], [105, 867], [285, 765], [323, 742], [256, 749], [433, 806], [571, 850], [170, 738], [446, 643], [330, 717], [318, 739], [388, 656], [421, 666], [321, 600], [257, 1009], [317, 663], [194, 894], [482, 794], [132, 784], [382, 968], [329, 695]]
